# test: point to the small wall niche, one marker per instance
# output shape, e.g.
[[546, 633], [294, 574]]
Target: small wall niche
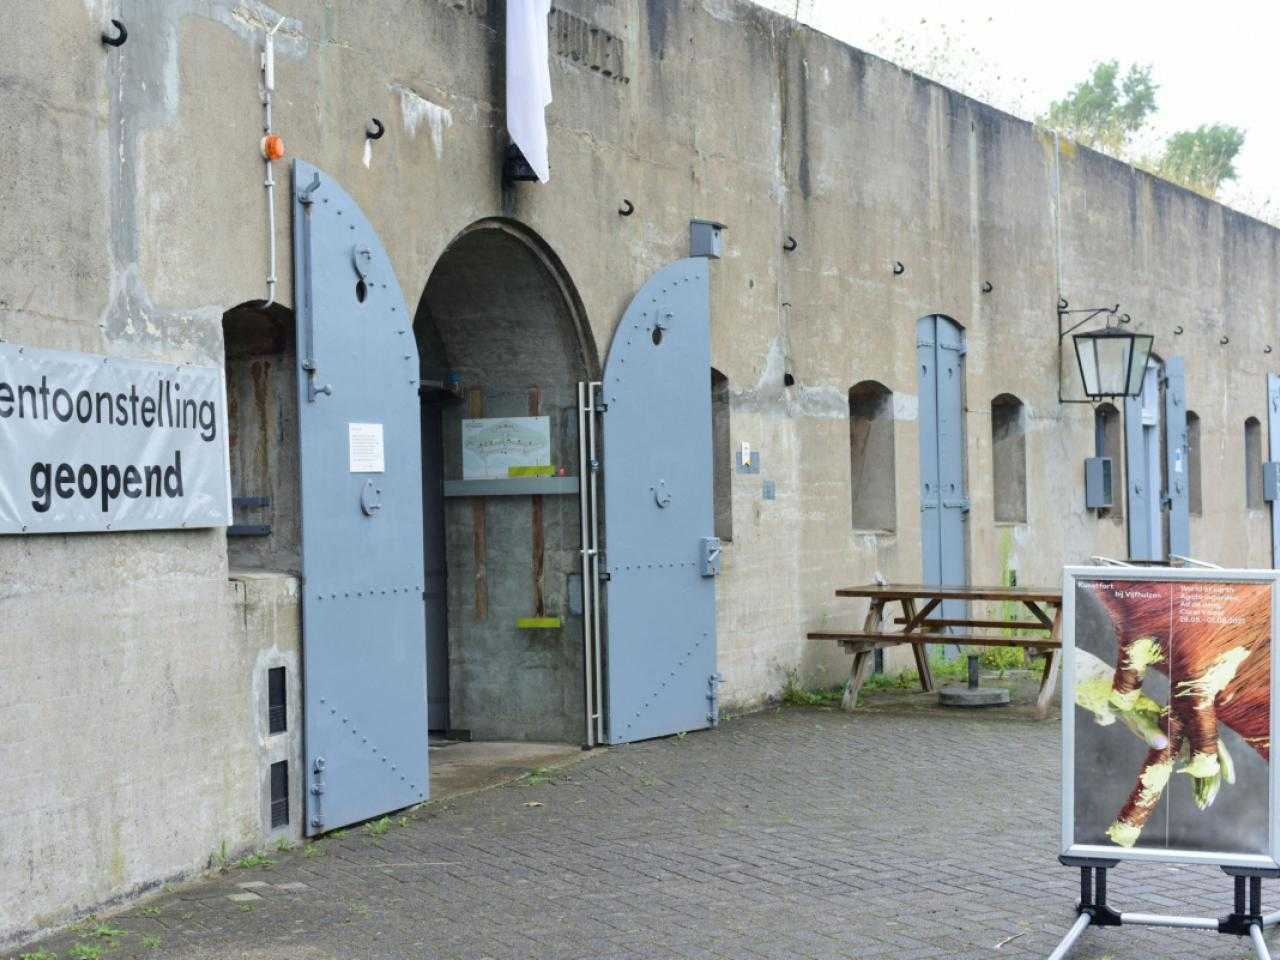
[[872, 483], [1009, 459]]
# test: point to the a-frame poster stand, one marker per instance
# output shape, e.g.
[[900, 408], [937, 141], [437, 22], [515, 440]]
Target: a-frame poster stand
[[1167, 726], [1245, 920]]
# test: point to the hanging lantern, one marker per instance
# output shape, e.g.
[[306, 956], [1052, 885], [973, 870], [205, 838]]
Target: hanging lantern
[[1112, 362]]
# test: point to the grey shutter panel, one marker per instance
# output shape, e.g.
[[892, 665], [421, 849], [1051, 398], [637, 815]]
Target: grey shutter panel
[[1138, 497], [1177, 457]]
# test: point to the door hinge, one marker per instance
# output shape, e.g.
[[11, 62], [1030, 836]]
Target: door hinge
[[713, 698], [710, 556]]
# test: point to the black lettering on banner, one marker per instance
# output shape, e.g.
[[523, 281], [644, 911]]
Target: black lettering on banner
[[132, 482], [64, 481], [208, 421], [153, 474], [84, 406], [174, 473], [87, 481], [61, 394], [110, 484], [148, 411], [40, 487], [6, 400], [28, 390]]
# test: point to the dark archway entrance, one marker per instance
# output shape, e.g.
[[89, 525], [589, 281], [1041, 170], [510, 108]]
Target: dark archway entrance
[[502, 337]]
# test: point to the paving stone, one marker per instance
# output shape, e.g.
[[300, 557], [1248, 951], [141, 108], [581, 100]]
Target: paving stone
[[804, 834]]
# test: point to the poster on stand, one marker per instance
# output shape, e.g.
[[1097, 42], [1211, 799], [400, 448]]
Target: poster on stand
[[1167, 721]]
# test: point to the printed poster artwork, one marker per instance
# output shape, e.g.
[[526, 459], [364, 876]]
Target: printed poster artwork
[[1173, 715]]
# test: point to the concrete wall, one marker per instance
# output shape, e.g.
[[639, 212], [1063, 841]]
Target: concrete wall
[[135, 218]]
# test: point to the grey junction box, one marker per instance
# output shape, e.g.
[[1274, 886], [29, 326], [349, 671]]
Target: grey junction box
[[1099, 484]]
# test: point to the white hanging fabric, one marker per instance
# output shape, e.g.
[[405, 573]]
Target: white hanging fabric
[[529, 81]]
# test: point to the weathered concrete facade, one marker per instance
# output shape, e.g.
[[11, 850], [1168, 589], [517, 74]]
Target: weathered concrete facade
[[135, 219]]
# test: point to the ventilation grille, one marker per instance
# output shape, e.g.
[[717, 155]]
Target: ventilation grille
[[280, 794], [277, 714]]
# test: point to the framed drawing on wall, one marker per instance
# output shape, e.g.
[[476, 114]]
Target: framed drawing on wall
[[1167, 720]]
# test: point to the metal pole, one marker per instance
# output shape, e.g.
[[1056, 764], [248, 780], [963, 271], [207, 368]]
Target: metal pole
[[593, 465], [1069, 941], [1259, 944], [587, 597], [1162, 920]]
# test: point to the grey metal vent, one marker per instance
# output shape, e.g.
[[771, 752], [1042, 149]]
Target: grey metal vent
[[280, 794], [277, 713]]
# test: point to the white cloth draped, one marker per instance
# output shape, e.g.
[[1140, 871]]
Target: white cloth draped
[[529, 81]]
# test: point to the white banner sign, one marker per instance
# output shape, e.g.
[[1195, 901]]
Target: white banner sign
[[91, 443]]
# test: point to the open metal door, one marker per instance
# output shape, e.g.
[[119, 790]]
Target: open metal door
[[1137, 485], [944, 495], [661, 556], [1273, 446], [364, 652], [1177, 454]]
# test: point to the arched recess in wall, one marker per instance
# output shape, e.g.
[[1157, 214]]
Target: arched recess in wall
[[262, 437], [1108, 441], [1253, 464], [1195, 494], [502, 335], [1009, 459], [722, 456], [872, 483]]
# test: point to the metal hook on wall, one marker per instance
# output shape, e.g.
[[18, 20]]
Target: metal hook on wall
[[375, 130], [1177, 331], [1267, 348], [1225, 340], [898, 268], [1062, 303], [627, 208], [790, 243], [121, 35], [986, 286]]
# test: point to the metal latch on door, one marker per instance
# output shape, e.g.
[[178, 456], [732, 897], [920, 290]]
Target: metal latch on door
[[710, 556]]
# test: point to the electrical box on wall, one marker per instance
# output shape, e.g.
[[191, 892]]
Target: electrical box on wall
[[1271, 481], [1098, 483], [704, 238]]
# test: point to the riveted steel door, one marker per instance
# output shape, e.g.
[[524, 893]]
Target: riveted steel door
[[1273, 445], [659, 523], [1143, 469], [944, 495], [1176, 451], [364, 652]]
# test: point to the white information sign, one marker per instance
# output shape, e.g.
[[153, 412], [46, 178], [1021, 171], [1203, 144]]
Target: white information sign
[[492, 446], [92, 443], [365, 450]]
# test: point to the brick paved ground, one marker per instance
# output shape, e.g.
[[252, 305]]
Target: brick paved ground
[[791, 834]]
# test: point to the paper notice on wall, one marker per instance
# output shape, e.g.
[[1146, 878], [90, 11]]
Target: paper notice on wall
[[365, 450]]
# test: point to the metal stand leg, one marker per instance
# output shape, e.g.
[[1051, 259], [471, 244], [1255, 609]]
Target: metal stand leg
[[1069, 941], [1259, 944], [1092, 908]]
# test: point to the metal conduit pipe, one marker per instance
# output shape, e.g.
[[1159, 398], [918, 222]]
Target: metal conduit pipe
[[268, 86], [1259, 943], [594, 466]]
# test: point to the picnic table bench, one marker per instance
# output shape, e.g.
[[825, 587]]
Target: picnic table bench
[[923, 623]]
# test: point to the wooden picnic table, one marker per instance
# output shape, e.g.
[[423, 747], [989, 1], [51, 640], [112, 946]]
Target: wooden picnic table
[[921, 625]]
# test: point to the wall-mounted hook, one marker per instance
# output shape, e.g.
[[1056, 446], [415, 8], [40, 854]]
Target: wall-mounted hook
[[788, 380], [986, 286], [121, 35], [374, 130], [1177, 331], [627, 208], [1225, 340], [1062, 303], [1124, 318], [1267, 348], [790, 243], [898, 268]]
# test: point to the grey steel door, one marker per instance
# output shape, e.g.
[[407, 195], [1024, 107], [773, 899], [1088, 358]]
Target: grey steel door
[[1142, 469], [1273, 445], [1177, 453], [659, 522], [944, 495], [435, 592], [364, 654]]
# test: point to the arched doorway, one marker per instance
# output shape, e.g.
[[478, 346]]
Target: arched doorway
[[503, 343]]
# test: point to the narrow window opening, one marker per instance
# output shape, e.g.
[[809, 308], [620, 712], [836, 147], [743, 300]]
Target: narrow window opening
[[1195, 497], [873, 489], [1009, 459], [1108, 442], [722, 457], [280, 794], [1253, 464], [277, 713]]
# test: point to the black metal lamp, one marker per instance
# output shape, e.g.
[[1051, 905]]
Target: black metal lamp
[[1113, 362]]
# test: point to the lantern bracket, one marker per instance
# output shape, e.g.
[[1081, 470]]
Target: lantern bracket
[[1092, 313]]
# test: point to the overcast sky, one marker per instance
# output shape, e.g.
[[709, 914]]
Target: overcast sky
[[1212, 63]]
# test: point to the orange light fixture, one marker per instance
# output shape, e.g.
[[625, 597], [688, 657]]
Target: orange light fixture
[[272, 147]]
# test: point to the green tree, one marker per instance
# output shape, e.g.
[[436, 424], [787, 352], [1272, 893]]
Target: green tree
[[1106, 110], [1202, 159]]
